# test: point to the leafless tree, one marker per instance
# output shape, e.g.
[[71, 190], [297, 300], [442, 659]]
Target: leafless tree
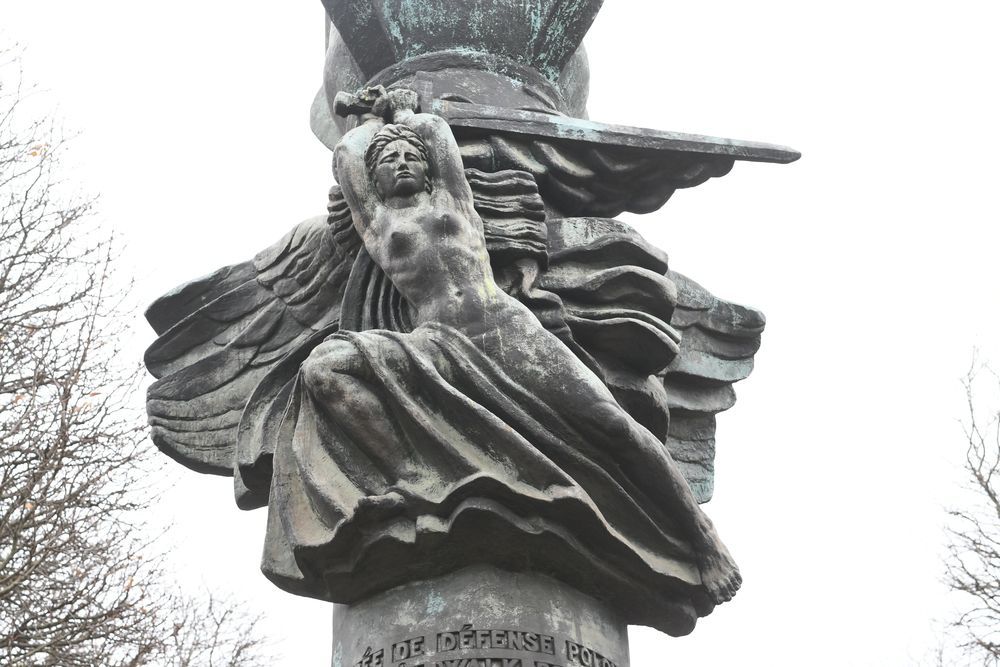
[[211, 632], [78, 583], [973, 555]]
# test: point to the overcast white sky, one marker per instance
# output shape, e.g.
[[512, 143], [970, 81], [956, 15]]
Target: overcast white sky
[[874, 258]]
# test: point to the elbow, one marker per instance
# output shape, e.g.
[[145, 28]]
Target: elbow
[[426, 122], [356, 141], [349, 145], [345, 162], [339, 154], [430, 127], [350, 150], [433, 121]]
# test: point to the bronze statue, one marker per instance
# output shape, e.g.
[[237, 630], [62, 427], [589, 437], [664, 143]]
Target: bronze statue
[[464, 362], [406, 187]]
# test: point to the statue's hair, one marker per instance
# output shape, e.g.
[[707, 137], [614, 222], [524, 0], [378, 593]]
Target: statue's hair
[[386, 136]]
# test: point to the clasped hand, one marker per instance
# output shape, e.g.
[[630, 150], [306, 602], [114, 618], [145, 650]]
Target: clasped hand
[[376, 100]]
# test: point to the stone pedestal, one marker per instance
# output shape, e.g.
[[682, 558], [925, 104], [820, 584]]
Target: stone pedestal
[[479, 617]]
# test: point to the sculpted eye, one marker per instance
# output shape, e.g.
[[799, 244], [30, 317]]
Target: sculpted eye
[[388, 157], [411, 157]]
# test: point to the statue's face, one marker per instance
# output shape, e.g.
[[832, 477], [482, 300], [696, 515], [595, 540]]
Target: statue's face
[[400, 172]]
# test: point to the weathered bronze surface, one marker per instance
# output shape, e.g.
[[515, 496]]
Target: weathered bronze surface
[[468, 361]]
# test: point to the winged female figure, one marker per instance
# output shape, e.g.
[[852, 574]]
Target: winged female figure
[[516, 418], [425, 380]]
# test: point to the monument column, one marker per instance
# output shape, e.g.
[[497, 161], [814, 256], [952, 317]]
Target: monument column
[[480, 616]]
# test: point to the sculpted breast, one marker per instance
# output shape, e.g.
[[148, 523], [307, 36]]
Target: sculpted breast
[[433, 229]]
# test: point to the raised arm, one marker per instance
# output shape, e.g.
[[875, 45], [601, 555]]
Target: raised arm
[[445, 157], [352, 174]]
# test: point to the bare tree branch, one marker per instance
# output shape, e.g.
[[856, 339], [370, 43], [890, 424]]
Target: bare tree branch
[[972, 565], [79, 584]]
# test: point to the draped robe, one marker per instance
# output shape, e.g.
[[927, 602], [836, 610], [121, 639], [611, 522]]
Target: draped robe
[[490, 469]]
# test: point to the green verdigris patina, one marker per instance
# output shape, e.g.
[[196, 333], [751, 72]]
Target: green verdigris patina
[[542, 34]]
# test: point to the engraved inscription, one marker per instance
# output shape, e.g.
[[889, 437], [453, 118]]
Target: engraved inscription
[[408, 648], [440, 649], [516, 640], [474, 662], [372, 659], [577, 654]]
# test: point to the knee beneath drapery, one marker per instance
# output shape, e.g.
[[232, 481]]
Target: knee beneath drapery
[[327, 369], [612, 419]]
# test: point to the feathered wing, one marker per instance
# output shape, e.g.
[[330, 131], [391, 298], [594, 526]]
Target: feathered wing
[[669, 350], [719, 340], [231, 343], [219, 336], [618, 304]]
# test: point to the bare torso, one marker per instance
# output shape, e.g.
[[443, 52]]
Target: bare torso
[[431, 246], [434, 252]]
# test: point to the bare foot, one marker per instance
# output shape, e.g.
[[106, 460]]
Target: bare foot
[[719, 574]]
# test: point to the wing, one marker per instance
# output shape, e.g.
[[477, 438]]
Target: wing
[[629, 312], [618, 304], [219, 336], [719, 340]]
